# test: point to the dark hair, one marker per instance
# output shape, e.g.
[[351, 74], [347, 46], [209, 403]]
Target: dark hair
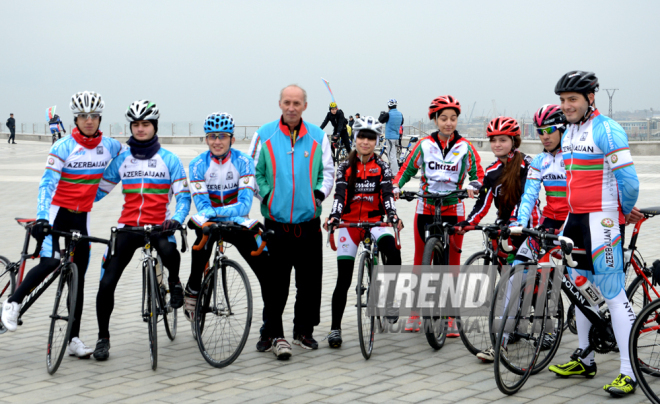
[[511, 189], [352, 164]]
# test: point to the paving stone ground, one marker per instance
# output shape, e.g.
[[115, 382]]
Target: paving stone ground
[[403, 368]]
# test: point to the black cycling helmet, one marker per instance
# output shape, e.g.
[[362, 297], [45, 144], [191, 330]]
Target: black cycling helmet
[[577, 81]]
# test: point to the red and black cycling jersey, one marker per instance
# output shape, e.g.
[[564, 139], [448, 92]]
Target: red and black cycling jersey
[[373, 196], [490, 192]]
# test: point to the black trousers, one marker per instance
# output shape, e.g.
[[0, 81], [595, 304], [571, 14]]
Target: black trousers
[[114, 266], [245, 243], [65, 220], [12, 137], [298, 246]]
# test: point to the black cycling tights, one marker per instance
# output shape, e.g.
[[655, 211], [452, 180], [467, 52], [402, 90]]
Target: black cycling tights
[[114, 266], [386, 245]]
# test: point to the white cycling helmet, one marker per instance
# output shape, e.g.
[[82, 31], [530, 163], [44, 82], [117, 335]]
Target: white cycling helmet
[[142, 110], [391, 103], [86, 102], [368, 123]]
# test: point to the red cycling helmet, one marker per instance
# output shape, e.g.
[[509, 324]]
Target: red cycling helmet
[[442, 102], [503, 125]]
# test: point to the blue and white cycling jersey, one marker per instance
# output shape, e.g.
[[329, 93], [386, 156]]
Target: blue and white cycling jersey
[[222, 190]]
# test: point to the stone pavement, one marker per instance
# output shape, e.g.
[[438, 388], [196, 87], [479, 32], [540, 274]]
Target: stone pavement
[[403, 368]]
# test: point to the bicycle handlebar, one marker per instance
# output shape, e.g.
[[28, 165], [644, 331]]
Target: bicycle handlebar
[[148, 229], [565, 242], [361, 225], [76, 236], [209, 227], [410, 196]]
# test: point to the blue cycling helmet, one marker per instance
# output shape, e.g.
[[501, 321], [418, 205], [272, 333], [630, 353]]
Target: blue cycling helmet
[[219, 122]]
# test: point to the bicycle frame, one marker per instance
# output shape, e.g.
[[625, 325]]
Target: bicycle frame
[[66, 257]]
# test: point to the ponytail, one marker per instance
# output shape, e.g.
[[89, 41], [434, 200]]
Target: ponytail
[[511, 187]]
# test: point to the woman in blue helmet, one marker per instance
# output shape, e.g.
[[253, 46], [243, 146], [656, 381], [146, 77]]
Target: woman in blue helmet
[[222, 186]]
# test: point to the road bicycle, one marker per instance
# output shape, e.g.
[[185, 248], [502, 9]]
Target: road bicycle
[[521, 331], [369, 258], [436, 252], [474, 325], [155, 288], [223, 313], [66, 273]]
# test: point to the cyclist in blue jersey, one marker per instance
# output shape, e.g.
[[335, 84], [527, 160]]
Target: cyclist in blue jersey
[[602, 188], [74, 168], [55, 124], [222, 185], [394, 121]]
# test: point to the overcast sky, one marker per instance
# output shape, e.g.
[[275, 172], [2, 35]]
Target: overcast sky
[[196, 57]]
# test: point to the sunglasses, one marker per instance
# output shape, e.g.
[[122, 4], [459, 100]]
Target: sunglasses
[[85, 117], [548, 130], [218, 136]]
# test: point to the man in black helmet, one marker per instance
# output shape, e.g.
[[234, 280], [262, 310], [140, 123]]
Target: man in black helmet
[[601, 190], [336, 117]]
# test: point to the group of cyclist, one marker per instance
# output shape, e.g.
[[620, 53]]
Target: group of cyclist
[[586, 168], [591, 188]]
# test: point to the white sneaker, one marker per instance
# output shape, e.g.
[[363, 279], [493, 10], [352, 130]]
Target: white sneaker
[[281, 348], [78, 348], [10, 312], [190, 301], [487, 355]]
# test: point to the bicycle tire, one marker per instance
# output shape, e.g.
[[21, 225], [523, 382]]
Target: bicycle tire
[[169, 314], [643, 337], [365, 323], [474, 330], [152, 319], [637, 293], [224, 303], [7, 283], [61, 320], [434, 327], [510, 376]]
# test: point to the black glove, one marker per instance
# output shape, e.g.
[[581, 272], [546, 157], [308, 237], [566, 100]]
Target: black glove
[[192, 225], [318, 198], [464, 223], [40, 229], [170, 225], [64, 130]]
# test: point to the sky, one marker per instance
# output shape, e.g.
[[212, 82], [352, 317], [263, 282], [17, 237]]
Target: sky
[[196, 57]]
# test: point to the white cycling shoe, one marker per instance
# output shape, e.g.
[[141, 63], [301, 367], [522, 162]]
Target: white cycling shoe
[[10, 312], [78, 348]]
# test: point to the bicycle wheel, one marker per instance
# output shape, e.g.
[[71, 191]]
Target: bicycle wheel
[[638, 293], [366, 323], [474, 326], [434, 327], [169, 314], [62, 318], [223, 314], [517, 345], [150, 310], [644, 350], [7, 279]]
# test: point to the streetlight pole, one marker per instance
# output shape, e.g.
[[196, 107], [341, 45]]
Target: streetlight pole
[[611, 96]]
